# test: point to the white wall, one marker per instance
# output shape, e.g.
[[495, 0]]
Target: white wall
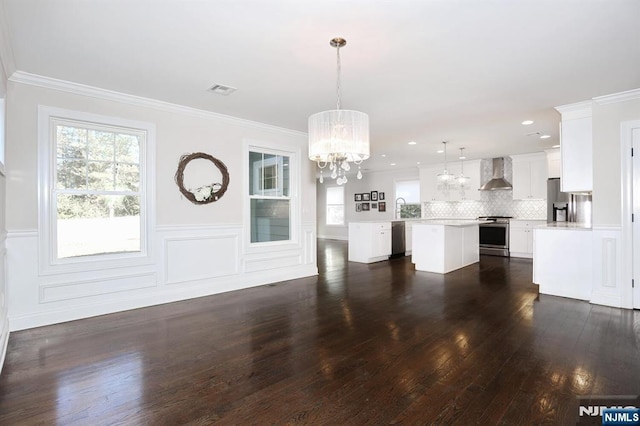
[[199, 249], [4, 312], [607, 189]]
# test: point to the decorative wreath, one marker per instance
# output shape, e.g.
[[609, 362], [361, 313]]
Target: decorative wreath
[[207, 193]]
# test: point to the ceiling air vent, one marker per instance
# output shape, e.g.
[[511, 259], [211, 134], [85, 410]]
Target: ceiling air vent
[[221, 89]]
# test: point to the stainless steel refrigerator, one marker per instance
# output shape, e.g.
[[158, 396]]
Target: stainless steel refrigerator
[[567, 207]]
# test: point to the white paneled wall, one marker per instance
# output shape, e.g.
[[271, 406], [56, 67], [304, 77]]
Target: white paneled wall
[[607, 267], [198, 250], [192, 261]]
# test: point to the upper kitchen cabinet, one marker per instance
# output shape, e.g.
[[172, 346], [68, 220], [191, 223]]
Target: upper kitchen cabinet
[[429, 186], [576, 147], [554, 164], [529, 176]]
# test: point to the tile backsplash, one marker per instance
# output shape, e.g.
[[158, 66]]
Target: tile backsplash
[[492, 203]]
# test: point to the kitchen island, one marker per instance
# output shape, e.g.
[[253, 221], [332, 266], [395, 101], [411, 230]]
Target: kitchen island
[[443, 246]]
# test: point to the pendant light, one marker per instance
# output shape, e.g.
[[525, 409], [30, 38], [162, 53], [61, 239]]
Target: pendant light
[[445, 179], [338, 137], [462, 181]]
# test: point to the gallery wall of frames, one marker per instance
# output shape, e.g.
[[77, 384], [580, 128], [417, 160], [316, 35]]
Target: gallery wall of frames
[[373, 200]]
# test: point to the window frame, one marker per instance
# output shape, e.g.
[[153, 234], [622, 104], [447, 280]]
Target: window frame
[[294, 184], [326, 214], [398, 211], [49, 263]]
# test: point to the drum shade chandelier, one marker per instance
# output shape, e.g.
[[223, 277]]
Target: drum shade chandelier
[[338, 137]]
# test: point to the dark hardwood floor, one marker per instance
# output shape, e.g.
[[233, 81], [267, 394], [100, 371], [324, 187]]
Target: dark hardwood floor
[[359, 344]]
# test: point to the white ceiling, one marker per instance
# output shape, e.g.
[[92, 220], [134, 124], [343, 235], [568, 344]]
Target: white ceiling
[[466, 71]]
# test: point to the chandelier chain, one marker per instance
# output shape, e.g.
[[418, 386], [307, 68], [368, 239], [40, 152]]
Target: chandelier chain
[[338, 70]]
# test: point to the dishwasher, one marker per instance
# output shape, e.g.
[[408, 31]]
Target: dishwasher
[[397, 239]]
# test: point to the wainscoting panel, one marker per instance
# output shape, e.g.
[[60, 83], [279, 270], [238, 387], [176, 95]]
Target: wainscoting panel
[[191, 261], [95, 287], [607, 266], [4, 314], [199, 258], [272, 260]]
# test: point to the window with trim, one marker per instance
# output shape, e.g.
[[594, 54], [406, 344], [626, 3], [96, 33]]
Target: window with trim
[[408, 199], [270, 196], [96, 176], [335, 205]]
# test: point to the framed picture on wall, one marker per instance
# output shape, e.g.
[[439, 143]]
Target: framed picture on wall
[[374, 195], [358, 197], [365, 196], [382, 206], [381, 196], [374, 206], [365, 207], [358, 207]]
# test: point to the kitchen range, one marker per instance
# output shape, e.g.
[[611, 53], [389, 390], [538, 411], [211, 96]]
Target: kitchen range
[[494, 235]]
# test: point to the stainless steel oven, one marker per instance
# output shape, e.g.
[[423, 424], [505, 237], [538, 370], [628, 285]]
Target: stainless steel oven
[[494, 235]]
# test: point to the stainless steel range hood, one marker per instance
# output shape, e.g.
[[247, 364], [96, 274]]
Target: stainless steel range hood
[[497, 182]]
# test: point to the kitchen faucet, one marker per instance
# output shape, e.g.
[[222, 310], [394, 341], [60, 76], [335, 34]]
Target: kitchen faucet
[[399, 207]]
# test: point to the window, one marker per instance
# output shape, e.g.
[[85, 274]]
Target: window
[[408, 199], [94, 170], [270, 197], [335, 205]]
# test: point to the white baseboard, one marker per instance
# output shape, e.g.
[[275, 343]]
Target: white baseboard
[[4, 340]]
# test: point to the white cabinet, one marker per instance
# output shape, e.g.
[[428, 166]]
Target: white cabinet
[[473, 170], [554, 164], [521, 237], [429, 186], [408, 237], [562, 263], [576, 147], [369, 241], [529, 176], [444, 246]]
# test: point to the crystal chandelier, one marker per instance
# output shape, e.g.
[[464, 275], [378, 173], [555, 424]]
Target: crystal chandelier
[[338, 137], [462, 181], [445, 179]]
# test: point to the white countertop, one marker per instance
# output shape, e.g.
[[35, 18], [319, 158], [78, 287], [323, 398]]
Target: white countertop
[[566, 226], [450, 222]]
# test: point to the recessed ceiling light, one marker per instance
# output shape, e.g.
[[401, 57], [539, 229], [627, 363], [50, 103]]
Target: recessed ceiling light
[[527, 122], [412, 143], [462, 157], [555, 146], [383, 155], [417, 162], [545, 136], [440, 151], [392, 164]]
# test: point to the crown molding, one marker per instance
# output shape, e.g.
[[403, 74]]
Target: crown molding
[[110, 95], [629, 95], [575, 110]]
